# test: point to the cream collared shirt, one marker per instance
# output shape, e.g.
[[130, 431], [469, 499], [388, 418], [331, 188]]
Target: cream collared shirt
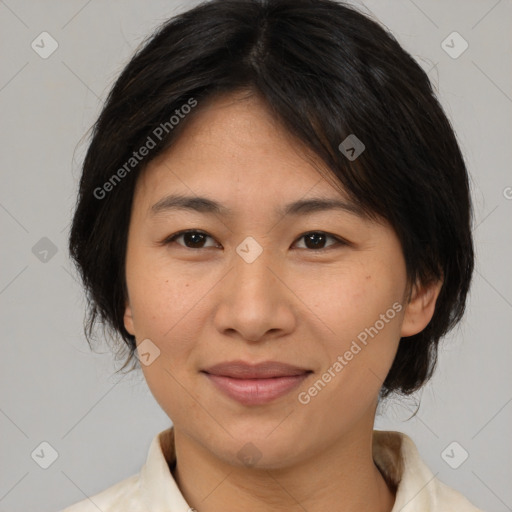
[[154, 489]]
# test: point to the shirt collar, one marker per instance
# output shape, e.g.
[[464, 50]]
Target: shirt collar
[[158, 487], [399, 462]]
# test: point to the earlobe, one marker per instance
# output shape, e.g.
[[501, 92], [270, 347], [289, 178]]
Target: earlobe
[[420, 309], [128, 319]]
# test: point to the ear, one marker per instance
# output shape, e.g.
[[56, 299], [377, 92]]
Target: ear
[[420, 308], [128, 319]]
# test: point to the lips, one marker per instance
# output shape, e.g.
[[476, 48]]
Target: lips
[[266, 370], [255, 384]]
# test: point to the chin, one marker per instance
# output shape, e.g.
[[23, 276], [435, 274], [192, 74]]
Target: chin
[[262, 446]]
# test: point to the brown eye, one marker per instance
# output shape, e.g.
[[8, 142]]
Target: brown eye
[[192, 239], [316, 240]]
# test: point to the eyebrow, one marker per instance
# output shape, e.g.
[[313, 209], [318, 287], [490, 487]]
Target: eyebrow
[[209, 206]]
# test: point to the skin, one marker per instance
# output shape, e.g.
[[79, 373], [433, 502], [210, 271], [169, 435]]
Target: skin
[[200, 303]]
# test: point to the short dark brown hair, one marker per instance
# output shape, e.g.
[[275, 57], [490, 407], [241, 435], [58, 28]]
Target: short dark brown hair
[[326, 72]]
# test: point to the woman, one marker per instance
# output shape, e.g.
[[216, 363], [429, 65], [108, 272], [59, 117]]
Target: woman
[[274, 215]]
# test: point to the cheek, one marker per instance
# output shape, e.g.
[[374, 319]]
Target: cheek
[[162, 296], [172, 391], [349, 301], [164, 305], [165, 309], [364, 314]]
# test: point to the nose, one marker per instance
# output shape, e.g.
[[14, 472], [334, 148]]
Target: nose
[[255, 302]]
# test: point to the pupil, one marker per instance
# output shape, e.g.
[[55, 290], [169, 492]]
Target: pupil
[[193, 237], [312, 236]]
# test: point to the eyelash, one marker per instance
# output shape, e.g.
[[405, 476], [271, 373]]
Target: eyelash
[[340, 241]]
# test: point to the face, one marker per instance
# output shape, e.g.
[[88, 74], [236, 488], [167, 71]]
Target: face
[[322, 290]]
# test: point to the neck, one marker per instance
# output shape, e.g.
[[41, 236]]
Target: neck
[[342, 478]]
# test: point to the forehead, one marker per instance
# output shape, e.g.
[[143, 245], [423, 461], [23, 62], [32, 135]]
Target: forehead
[[233, 148]]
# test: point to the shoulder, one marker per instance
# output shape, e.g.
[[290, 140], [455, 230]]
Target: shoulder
[[449, 499], [152, 488], [440, 496], [123, 496], [417, 488]]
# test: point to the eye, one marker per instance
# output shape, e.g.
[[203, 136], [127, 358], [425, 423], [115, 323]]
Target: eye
[[195, 239], [315, 239]]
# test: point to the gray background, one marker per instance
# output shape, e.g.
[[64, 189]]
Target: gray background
[[54, 389]]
